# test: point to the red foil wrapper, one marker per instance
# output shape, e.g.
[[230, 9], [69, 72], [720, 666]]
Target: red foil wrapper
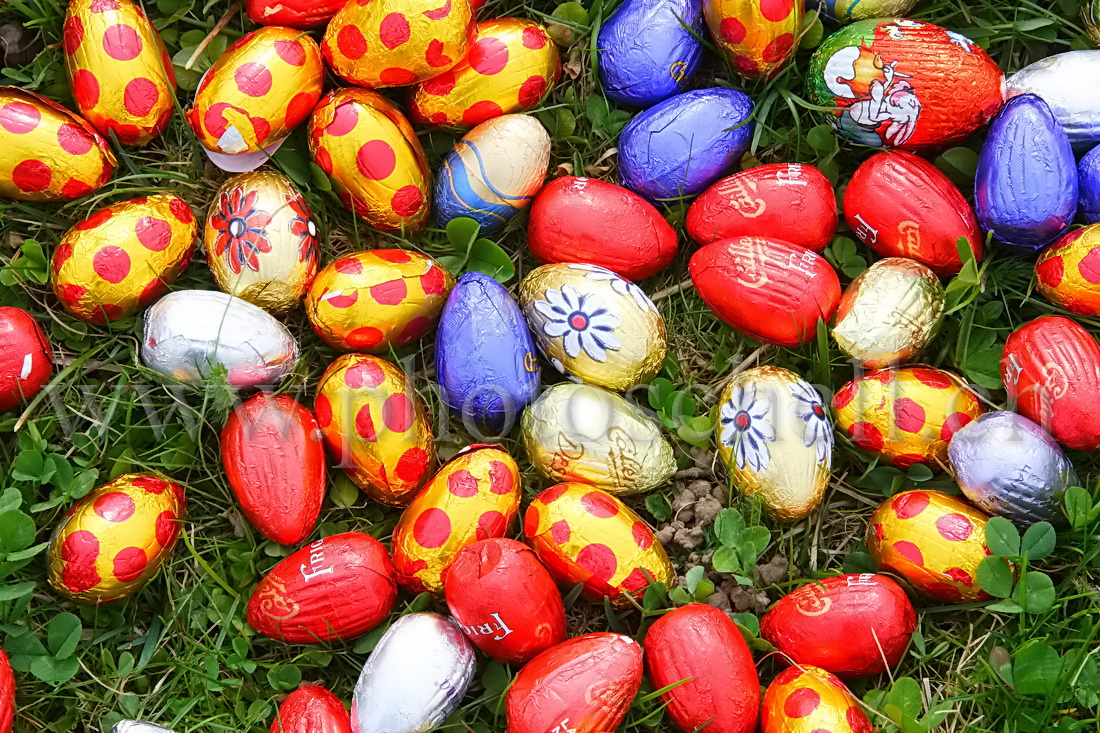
[[26, 360]]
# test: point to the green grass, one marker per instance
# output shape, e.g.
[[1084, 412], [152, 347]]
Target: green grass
[[180, 653]]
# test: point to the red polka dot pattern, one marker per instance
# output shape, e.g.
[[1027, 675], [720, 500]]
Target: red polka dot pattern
[[756, 39], [1068, 272], [810, 700]]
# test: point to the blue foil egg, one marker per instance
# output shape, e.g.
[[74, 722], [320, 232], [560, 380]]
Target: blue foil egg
[[484, 355], [649, 49], [687, 142], [1009, 466], [1088, 185], [1025, 190]]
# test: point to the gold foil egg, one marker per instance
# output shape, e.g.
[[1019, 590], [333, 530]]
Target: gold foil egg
[[371, 301], [933, 540], [1068, 271], [511, 67], [775, 438], [473, 497], [584, 434], [47, 152], [122, 77], [375, 426], [757, 37], [115, 539], [593, 325], [889, 313], [123, 257], [584, 535], [390, 43], [805, 699], [905, 415], [368, 148], [261, 240]]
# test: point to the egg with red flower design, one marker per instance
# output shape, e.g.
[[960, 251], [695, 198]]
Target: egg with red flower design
[[808, 699]]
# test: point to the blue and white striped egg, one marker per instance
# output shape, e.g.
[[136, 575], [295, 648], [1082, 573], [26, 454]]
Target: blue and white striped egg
[[494, 171]]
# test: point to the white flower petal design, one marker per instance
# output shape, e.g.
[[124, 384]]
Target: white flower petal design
[[816, 430], [745, 426], [580, 321]]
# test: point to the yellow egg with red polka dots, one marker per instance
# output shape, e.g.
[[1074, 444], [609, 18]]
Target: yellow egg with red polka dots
[[123, 257], [757, 37], [375, 426], [1068, 271], [473, 497], [121, 75], [391, 43], [906, 415], [511, 67], [933, 540], [584, 535], [374, 300], [368, 148], [47, 153], [807, 699], [115, 539]]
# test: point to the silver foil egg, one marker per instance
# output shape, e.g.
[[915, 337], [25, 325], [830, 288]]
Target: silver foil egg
[[1063, 81], [138, 726]]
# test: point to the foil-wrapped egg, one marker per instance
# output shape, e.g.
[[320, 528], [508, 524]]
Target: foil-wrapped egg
[[494, 171], [1088, 183], [901, 83], [775, 439], [121, 258], [756, 37], [1067, 273], [844, 11], [122, 78], [375, 426], [26, 360], [576, 432], [510, 67], [889, 313], [116, 538], [190, 334], [1058, 80], [593, 325], [415, 677], [261, 240], [302, 14], [7, 694], [368, 148], [584, 535], [907, 415], [378, 299], [1090, 12], [933, 540], [311, 709], [139, 726], [806, 699], [50, 154]]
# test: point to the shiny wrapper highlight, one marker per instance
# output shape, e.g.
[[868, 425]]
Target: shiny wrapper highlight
[[1088, 184], [1060, 81], [847, 10], [1068, 271], [26, 359], [757, 37], [138, 726], [807, 699]]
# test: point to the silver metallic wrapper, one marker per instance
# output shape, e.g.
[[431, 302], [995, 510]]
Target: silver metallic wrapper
[[138, 726], [1067, 83]]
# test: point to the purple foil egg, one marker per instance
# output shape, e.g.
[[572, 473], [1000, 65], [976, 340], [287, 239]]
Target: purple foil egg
[[1088, 185]]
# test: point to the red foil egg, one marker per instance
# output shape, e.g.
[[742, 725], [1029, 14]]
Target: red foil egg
[[810, 700], [26, 360], [303, 14], [7, 694], [311, 709]]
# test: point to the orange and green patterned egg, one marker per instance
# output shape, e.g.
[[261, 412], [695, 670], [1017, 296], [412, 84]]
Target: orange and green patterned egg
[[1068, 271], [905, 415], [584, 535], [511, 67], [123, 257], [375, 426], [933, 540], [807, 699], [757, 37], [473, 497], [115, 539], [120, 72], [374, 300]]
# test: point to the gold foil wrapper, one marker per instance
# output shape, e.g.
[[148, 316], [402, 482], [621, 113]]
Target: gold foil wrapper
[[805, 699], [757, 37], [1066, 274]]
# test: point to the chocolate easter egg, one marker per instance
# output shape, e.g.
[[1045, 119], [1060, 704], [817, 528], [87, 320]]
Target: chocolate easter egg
[[1051, 372], [1068, 271], [1025, 190], [50, 154], [682, 145], [115, 539], [848, 10], [775, 439], [765, 288], [933, 540], [303, 14], [510, 67], [700, 650], [850, 625], [576, 432], [889, 313], [584, 535], [262, 243], [189, 334], [375, 426], [375, 300], [593, 325], [756, 37], [1088, 184], [790, 202], [900, 205], [272, 453], [584, 685], [641, 72], [26, 360], [907, 415], [484, 356], [311, 709], [1057, 80], [368, 148], [7, 694], [139, 726], [599, 223], [505, 600], [901, 83], [806, 699]]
